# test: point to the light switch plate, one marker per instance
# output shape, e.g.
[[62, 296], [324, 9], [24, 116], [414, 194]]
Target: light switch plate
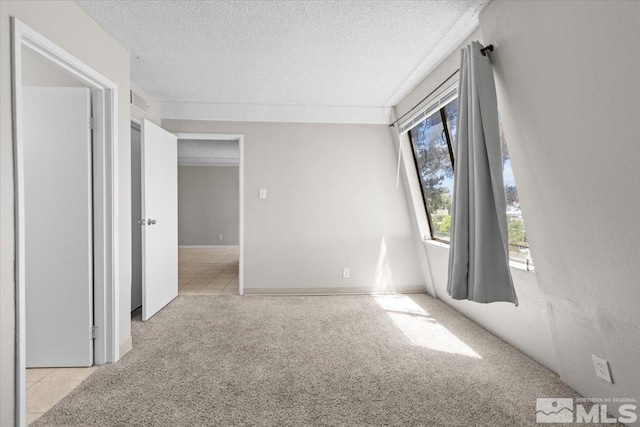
[[262, 193]]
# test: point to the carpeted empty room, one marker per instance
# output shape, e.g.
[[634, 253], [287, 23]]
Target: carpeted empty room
[[311, 360], [315, 213]]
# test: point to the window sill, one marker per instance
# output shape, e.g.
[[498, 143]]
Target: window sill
[[512, 264], [436, 243], [522, 266]]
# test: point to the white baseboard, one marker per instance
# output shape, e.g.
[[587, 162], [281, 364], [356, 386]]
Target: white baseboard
[[206, 246], [351, 290], [126, 346]]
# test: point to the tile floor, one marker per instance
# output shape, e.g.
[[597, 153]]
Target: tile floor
[[47, 386], [208, 271]]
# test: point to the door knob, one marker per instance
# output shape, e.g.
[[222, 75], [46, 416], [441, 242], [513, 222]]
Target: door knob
[[151, 221], [142, 222]]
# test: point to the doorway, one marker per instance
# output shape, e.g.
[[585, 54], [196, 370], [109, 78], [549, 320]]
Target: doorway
[[58, 232], [208, 216], [214, 265], [58, 209], [66, 249]]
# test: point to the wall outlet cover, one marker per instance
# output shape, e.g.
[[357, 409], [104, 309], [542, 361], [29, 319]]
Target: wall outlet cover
[[602, 368], [346, 273]]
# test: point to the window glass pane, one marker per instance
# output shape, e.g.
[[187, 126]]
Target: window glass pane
[[436, 178], [451, 112], [436, 173], [518, 243]]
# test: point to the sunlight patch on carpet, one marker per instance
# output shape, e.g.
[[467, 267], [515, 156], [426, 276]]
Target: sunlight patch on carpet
[[420, 328]]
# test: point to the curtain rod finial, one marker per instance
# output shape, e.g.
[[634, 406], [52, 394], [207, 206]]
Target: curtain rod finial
[[484, 50]]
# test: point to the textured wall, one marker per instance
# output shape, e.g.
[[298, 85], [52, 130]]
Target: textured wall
[[66, 24], [208, 205], [567, 82], [569, 102], [331, 203], [526, 327]]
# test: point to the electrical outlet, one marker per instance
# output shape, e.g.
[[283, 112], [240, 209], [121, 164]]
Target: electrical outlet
[[262, 194], [220, 236], [602, 368], [346, 273]]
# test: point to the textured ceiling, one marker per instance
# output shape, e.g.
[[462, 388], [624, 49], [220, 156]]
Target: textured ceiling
[[317, 61]]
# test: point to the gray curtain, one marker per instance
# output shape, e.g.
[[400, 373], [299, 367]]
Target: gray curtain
[[479, 256]]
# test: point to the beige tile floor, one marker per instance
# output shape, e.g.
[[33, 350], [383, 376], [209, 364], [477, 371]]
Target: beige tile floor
[[208, 271], [47, 386]]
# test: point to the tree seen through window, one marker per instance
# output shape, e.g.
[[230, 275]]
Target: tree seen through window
[[433, 142]]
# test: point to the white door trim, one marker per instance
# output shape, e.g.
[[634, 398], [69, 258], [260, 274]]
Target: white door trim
[[229, 137], [105, 112]]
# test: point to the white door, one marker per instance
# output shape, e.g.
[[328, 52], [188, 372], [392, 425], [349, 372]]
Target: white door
[[58, 226], [160, 215]]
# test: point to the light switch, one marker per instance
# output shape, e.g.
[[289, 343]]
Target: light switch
[[263, 193]]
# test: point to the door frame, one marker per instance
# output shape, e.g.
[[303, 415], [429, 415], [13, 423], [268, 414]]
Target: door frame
[[137, 125], [240, 139], [105, 199]]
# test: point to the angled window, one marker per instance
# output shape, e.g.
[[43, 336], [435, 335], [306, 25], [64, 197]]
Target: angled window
[[433, 151], [432, 133], [518, 243]]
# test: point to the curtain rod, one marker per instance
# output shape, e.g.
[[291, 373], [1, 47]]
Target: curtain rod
[[484, 50], [484, 53]]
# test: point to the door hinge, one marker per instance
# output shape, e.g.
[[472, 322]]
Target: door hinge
[[94, 333], [92, 123]]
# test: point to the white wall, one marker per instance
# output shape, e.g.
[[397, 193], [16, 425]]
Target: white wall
[[331, 203], [568, 86], [208, 205], [526, 326], [39, 71], [66, 24], [199, 152]]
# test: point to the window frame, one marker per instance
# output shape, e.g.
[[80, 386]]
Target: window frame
[[435, 107]]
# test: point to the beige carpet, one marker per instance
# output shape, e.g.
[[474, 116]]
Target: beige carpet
[[297, 361]]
